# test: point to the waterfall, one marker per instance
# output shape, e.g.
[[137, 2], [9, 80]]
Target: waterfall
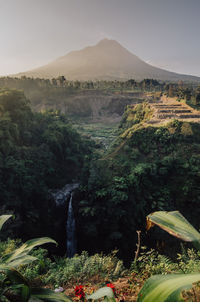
[[70, 229], [61, 197]]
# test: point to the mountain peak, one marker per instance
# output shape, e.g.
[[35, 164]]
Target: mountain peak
[[104, 40], [107, 60], [108, 42]]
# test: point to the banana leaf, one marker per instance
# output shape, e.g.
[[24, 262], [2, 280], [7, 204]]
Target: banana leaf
[[23, 260], [167, 288], [175, 224], [20, 254], [3, 219]]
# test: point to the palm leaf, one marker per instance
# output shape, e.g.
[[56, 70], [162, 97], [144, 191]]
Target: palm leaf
[[3, 219], [23, 250], [166, 288], [22, 260], [175, 224]]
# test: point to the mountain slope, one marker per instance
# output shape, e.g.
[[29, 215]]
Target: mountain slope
[[107, 60]]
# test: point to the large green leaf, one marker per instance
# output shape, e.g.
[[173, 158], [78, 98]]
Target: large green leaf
[[15, 277], [25, 293], [21, 291], [175, 224], [4, 267], [23, 250], [3, 219], [102, 292], [48, 295], [22, 260], [167, 288]]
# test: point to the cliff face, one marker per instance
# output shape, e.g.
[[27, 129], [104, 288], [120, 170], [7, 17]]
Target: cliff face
[[98, 107], [92, 105]]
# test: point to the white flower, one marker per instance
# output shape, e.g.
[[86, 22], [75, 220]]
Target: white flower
[[59, 289]]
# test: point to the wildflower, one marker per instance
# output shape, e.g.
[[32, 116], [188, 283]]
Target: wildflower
[[79, 292], [111, 286], [59, 289]]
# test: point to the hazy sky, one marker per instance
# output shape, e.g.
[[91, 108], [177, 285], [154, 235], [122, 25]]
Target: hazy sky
[[164, 33]]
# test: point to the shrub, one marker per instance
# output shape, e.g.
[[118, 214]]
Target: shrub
[[82, 267]]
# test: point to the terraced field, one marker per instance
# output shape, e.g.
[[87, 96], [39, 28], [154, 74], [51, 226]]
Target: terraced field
[[167, 108]]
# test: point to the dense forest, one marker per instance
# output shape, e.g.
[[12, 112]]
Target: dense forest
[[38, 152]]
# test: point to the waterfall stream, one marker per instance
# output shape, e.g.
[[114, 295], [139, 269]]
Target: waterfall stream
[[61, 197], [70, 229]]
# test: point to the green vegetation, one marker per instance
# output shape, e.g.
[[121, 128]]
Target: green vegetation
[[14, 285], [99, 268], [135, 115], [64, 271], [66, 96], [125, 173], [187, 93], [102, 133], [81, 267], [38, 152], [147, 169], [168, 288]]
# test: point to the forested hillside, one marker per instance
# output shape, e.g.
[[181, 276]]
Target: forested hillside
[[38, 152], [148, 168]]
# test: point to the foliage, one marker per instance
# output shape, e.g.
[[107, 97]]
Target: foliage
[[55, 93], [37, 270], [175, 224], [139, 175], [38, 152], [169, 288], [3, 219], [83, 267], [166, 288], [63, 271], [135, 115], [151, 262], [13, 283]]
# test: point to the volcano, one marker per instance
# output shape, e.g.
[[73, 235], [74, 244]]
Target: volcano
[[107, 60]]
